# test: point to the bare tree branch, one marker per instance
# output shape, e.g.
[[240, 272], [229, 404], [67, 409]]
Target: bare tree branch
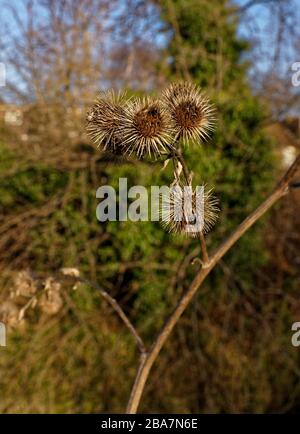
[[252, 3]]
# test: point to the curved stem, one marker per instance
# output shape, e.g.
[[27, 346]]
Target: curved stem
[[115, 305]]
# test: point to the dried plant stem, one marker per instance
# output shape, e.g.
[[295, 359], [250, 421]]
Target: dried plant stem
[[117, 308], [205, 258], [149, 358], [186, 172], [188, 178]]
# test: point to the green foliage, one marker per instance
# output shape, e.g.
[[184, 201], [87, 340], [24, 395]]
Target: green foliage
[[204, 42]]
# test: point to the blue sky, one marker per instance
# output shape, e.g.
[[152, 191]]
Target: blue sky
[[255, 22], [258, 22]]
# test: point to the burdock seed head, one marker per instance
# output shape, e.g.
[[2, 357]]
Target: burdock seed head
[[103, 121], [146, 128], [192, 114], [190, 212]]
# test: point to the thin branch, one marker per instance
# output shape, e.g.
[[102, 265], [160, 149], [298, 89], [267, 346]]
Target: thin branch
[[147, 361], [186, 172], [114, 304], [205, 256]]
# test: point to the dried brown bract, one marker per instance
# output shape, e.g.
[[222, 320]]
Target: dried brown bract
[[192, 114], [25, 284], [30, 291], [146, 128], [9, 314], [51, 300], [69, 278], [189, 211], [103, 121]]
